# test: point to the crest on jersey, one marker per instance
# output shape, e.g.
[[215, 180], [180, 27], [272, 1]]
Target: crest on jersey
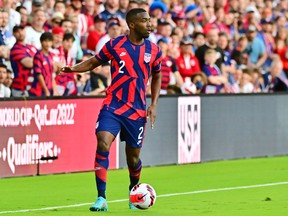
[[147, 57]]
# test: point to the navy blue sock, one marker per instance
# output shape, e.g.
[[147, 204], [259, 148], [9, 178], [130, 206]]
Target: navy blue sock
[[134, 174], [101, 167]]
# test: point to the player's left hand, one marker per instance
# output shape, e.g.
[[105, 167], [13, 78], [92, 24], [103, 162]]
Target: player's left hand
[[151, 114]]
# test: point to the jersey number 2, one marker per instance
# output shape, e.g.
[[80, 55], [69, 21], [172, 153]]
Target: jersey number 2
[[122, 64], [140, 135]]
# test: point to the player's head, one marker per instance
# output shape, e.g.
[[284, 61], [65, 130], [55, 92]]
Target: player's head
[[138, 21]]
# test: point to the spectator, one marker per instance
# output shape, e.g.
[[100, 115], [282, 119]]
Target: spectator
[[113, 31], [257, 80], [67, 26], [123, 8], [245, 85], [218, 23], [99, 7], [168, 68], [187, 62], [23, 15], [82, 78], [49, 7], [37, 5], [9, 39], [21, 58], [267, 38], [95, 35], [223, 43], [59, 6], [144, 4], [194, 13], [251, 18], [255, 48], [98, 82], [34, 32], [14, 16], [56, 19], [216, 79], [77, 52], [239, 54], [9, 79], [174, 46], [66, 83], [44, 82], [88, 8], [134, 4], [173, 89], [4, 51], [5, 92], [154, 24], [111, 10], [58, 34], [229, 64], [164, 30], [181, 22], [281, 47], [212, 43], [277, 80], [158, 9], [199, 79], [198, 40]]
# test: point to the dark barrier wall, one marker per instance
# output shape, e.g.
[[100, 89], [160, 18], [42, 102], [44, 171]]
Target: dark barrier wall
[[244, 126], [231, 126], [160, 144]]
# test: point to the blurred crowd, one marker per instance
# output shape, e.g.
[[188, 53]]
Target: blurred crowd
[[208, 46]]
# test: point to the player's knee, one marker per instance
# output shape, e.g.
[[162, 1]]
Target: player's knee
[[103, 146], [132, 161]]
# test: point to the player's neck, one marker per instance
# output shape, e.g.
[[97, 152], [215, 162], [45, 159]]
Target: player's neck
[[135, 39]]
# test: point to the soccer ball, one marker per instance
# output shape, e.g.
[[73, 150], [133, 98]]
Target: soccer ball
[[143, 196]]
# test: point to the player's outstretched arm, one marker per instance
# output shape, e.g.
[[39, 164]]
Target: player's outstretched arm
[[155, 91], [81, 67]]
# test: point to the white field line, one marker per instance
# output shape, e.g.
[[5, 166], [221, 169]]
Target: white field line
[[163, 195]]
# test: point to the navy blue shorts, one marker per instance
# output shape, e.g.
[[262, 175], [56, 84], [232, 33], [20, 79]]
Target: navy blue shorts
[[131, 131]]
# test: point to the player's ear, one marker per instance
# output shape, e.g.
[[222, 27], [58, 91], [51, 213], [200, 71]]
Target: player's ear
[[131, 25]]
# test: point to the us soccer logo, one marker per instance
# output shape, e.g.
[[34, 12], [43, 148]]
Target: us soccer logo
[[147, 57]]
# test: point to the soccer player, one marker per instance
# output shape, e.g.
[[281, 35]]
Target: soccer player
[[133, 60]]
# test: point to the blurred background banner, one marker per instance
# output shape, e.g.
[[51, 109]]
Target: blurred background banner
[[63, 130]]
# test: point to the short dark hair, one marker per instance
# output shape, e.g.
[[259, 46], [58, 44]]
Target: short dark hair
[[68, 36], [46, 36], [3, 66], [65, 20], [58, 2], [18, 8], [196, 34], [132, 14]]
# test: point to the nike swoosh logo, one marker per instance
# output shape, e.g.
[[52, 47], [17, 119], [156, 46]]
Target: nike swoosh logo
[[140, 198]]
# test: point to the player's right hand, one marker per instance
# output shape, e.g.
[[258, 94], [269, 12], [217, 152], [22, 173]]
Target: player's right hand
[[65, 69]]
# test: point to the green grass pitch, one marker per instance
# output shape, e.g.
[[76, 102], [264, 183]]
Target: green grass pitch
[[210, 189]]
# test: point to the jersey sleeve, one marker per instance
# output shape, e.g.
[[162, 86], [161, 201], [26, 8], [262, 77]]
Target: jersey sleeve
[[105, 54], [174, 65], [156, 66], [37, 65], [206, 71], [17, 54]]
